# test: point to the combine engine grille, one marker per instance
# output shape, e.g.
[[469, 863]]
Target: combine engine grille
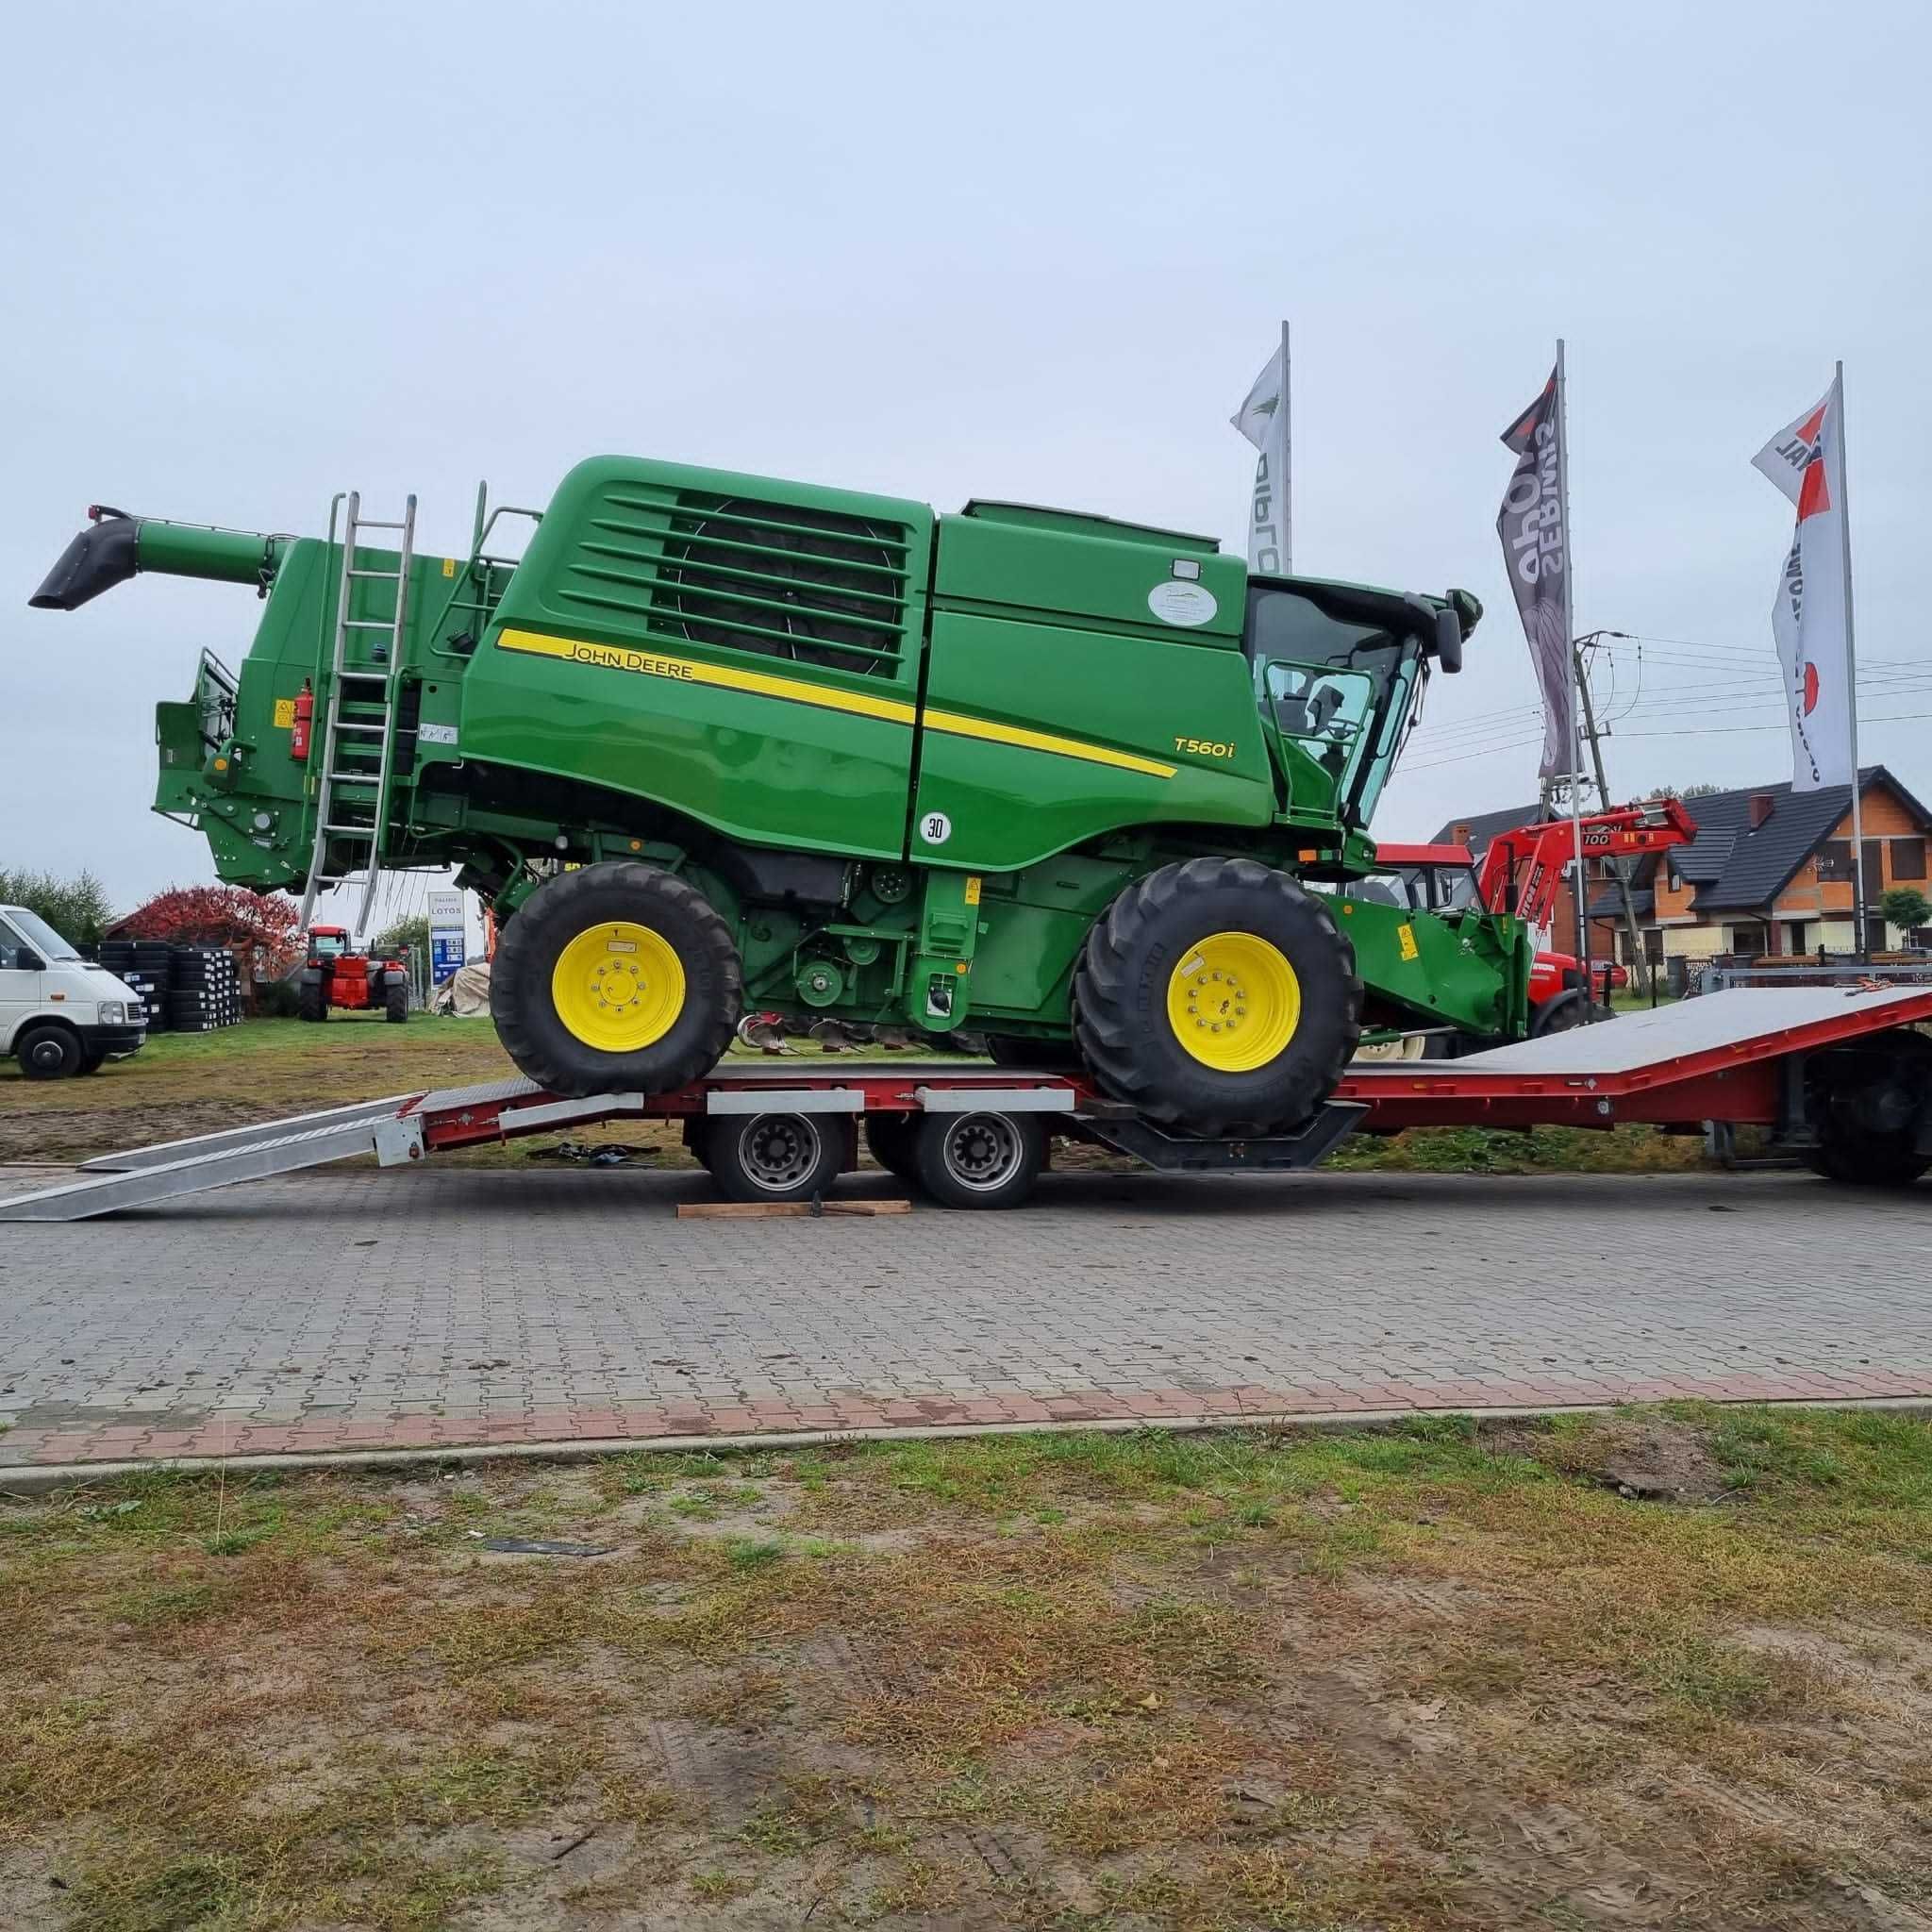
[[782, 580]]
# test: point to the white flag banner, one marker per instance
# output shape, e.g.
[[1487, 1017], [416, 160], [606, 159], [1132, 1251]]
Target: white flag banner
[[1263, 420], [1811, 618]]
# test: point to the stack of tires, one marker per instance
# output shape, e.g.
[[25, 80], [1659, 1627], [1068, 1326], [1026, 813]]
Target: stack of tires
[[185, 988], [148, 966], [205, 990]]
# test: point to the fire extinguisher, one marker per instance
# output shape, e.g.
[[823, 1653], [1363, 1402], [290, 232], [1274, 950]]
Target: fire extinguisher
[[304, 712]]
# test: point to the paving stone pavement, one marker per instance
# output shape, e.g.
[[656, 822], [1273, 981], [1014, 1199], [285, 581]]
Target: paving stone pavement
[[348, 1309]]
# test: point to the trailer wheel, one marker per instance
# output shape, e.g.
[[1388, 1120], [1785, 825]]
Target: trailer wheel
[[1867, 1104], [776, 1156], [1219, 996], [979, 1159], [619, 976], [889, 1140], [312, 997], [395, 1001]]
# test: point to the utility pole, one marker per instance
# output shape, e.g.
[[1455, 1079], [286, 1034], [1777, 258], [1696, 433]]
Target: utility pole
[[1639, 960]]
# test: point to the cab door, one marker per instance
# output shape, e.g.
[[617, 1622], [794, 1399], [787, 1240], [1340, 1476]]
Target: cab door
[[21, 991]]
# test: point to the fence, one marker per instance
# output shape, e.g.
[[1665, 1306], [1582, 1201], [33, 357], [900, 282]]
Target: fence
[[1720, 975]]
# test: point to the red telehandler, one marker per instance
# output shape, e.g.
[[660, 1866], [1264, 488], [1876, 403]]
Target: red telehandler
[[1520, 874], [335, 974]]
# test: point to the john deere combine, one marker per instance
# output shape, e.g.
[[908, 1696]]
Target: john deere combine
[[717, 740]]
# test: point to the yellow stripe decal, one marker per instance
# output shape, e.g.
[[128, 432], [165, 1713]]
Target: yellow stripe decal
[[827, 697], [696, 671], [960, 726]]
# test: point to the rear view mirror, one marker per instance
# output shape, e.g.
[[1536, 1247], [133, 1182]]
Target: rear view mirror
[[1449, 639], [30, 962]]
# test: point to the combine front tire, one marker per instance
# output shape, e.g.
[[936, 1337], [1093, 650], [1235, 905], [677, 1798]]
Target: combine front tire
[[1219, 997], [617, 976]]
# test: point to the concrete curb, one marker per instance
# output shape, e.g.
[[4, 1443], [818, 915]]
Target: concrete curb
[[30, 1479]]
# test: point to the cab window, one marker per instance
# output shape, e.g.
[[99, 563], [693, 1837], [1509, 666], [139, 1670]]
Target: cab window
[[12, 949]]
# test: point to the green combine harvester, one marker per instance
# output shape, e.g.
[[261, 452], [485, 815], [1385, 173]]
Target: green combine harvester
[[716, 742]]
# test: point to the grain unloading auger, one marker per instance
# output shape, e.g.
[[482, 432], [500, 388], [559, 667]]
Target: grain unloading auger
[[1076, 784]]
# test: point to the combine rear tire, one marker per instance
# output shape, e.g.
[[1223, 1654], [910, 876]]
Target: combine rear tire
[[618, 976], [1219, 997]]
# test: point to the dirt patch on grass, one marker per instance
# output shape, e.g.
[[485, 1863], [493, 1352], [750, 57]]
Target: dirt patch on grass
[[1411, 1679], [1651, 1457]]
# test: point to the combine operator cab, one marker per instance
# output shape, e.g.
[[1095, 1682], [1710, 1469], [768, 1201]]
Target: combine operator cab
[[1339, 671]]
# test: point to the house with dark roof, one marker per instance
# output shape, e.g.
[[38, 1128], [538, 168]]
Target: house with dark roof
[[1769, 873]]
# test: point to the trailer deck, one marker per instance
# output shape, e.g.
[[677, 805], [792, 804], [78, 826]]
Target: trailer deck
[[1738, 1056]]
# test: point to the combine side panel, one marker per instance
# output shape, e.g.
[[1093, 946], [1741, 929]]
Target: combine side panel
[[744, 651]]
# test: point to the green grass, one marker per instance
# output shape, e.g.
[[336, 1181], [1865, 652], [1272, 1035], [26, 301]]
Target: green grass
[[1227, 1680]]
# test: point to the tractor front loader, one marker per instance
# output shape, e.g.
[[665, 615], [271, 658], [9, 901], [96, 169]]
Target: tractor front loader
[[718, 743]]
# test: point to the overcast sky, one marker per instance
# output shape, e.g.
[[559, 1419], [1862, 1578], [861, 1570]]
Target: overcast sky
[[257, 255]]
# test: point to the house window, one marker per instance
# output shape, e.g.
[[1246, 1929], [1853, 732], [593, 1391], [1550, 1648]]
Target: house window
[[1908, 858], [1835, 861]]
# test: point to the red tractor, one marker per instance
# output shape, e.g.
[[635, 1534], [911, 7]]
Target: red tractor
[[335, 974], [1520, 874]]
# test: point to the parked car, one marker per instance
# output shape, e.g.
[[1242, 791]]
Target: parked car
[[61, 1014]]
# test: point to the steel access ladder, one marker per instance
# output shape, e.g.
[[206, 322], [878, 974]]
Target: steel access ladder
[[360, 715]]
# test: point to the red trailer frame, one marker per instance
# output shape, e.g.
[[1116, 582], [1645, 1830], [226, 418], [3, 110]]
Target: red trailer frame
[[1748, 1057]]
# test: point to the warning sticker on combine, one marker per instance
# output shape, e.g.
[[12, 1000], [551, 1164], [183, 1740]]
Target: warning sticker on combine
[[285, 714], [1405, 938]]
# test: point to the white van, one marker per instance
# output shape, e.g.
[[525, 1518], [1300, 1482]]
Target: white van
[[61, 1014]]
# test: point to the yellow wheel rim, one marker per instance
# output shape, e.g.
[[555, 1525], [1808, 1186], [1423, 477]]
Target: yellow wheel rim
[[619, 987], [1234, 1002]]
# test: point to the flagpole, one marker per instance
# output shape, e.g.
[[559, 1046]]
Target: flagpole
[[1844, 525], [1570, 655], [1286, 478]]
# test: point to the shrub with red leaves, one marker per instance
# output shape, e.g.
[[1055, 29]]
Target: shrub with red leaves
[[267, 924]]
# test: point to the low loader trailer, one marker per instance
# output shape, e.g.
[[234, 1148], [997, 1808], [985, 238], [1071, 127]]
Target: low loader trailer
[[1837, 1075]]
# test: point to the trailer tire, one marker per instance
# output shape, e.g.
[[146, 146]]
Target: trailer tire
[[311, 998], [651, 941], [1279, 1001], [777, 1155], [1865, 1104], [987, 1159], [888, 1140], [48, 1052]]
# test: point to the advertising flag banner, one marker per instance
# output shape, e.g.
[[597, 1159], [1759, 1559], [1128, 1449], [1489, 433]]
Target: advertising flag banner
[[1811, 616], [1263, 420], [1536, 547]]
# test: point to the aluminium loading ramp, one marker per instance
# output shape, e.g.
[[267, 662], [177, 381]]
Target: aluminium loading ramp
[[1730, 1056]]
